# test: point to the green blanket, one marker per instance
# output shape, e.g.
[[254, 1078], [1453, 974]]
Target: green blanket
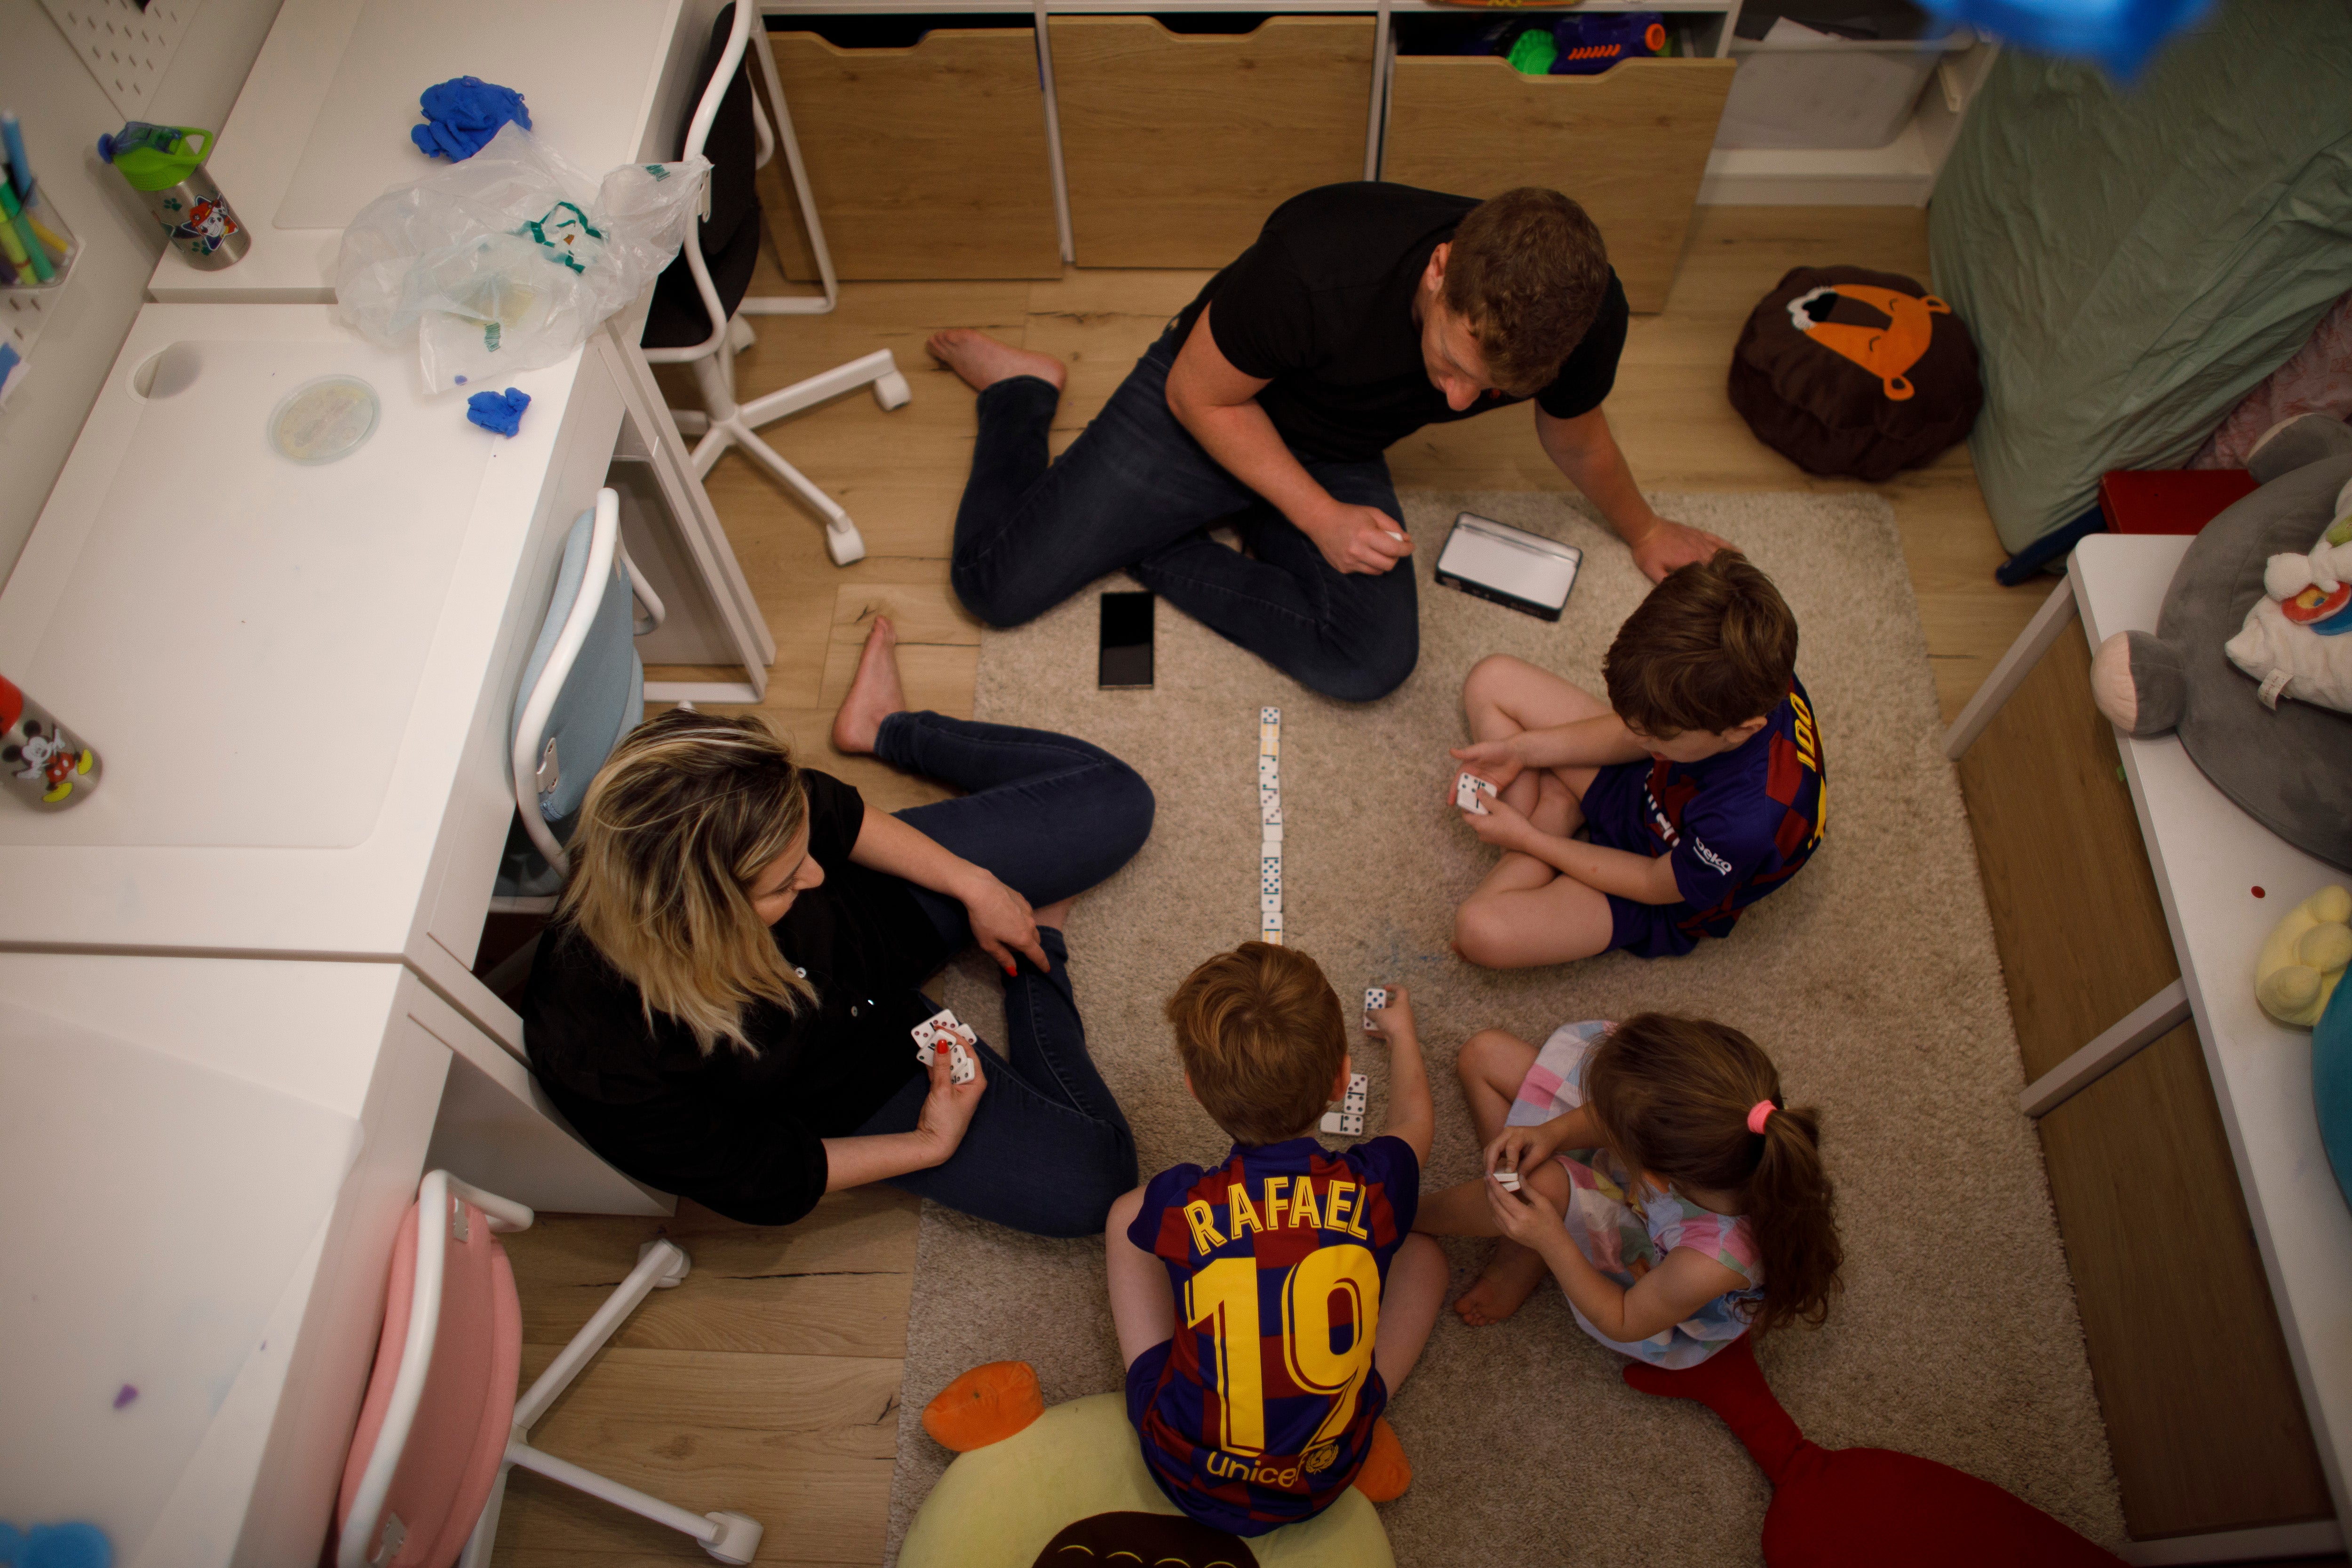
[[2132, 261]]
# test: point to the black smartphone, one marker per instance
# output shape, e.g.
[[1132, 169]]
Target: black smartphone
[[1126, 657]]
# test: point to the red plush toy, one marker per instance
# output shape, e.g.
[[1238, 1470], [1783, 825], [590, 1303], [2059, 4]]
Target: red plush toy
[[1847, 1507]]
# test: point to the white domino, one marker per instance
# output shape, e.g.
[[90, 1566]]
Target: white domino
[[1270, 836], [1467, 789], [1343, 1124], [1269, 815], [1375, 998], [960, 1066], [1269, 921], [1507, 1178], [1269, 715], [1269, 903]]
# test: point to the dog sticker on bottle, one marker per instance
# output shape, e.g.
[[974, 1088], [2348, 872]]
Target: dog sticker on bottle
[[45, 763]]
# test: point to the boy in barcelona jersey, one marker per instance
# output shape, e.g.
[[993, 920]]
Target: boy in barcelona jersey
[[1268, 1309]]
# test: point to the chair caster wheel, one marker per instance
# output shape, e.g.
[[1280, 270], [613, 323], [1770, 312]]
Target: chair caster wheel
[[738, 1540], [843, 542], [892, 391], [739, 336], [681, 1269]]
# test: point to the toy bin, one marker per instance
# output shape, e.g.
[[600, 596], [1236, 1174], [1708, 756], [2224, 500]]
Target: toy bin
[[1815, 90]]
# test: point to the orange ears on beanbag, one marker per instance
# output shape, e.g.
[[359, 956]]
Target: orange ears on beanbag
[[1386, 1472], [986, 1405]]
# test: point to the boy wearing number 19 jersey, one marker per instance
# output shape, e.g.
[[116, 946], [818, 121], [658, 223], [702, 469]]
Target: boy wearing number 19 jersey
[[1267, 1308]]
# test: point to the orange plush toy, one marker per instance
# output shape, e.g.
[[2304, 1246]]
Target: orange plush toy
[[1860, 1508]]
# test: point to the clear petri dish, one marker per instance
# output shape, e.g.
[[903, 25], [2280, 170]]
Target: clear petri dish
[[323, 420]]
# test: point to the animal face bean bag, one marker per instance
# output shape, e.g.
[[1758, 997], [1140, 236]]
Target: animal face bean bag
[[2226, 649], [1848, 372], [1067, 1488]]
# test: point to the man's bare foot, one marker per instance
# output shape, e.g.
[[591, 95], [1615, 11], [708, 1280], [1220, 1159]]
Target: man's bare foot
[[1510, 1277], [982, 362], [1057, 914], [874, 695]]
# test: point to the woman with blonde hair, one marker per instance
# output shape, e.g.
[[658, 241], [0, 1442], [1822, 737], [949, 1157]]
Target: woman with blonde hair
[[722, 1004]]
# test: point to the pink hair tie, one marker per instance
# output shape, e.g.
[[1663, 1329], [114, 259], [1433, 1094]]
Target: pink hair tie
[[1759, 1113]]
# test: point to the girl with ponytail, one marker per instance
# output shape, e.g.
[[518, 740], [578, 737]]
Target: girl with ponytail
[[1661, 1179]]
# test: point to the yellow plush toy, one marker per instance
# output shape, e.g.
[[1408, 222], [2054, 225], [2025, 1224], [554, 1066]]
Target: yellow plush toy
[[1067, 1488], [2305, 957]]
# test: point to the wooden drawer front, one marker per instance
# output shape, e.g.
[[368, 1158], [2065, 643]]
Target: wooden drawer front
[[1629, 144], [1177, 145], [926, 162], [2202, 1412]]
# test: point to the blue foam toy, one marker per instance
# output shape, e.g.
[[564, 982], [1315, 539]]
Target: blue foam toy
[[1589, 44], [462, 114], [2331, 1084], [2118, 34], [499, 411], [76, 1544]]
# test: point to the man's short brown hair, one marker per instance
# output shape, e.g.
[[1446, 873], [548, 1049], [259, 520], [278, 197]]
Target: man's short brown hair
[[1261, 1036], [1527, 271], [1713, 647]]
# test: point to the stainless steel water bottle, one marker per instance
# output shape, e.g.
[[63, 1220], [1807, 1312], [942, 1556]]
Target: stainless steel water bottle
[[165, 164]]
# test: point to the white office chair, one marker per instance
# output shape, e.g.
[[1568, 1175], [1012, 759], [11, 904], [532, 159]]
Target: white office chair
[[441, 1423], [702, 325], [582, 690]]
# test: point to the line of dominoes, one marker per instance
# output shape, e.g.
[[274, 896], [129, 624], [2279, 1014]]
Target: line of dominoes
[[1269, 816]]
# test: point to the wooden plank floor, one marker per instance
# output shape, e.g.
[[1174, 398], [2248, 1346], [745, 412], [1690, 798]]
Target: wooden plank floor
[[768, 1382]]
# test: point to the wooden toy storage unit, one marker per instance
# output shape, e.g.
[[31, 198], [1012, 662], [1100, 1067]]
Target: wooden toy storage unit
[[1089, 132]]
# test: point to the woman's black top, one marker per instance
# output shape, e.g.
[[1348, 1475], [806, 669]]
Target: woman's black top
[[737, 1133]]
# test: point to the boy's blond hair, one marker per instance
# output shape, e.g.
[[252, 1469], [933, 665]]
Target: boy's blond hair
[[1713, 647], [1262, 1037]]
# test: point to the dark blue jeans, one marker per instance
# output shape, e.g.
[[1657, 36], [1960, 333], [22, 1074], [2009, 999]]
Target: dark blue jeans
[[1048, 1150], [1135, 490]]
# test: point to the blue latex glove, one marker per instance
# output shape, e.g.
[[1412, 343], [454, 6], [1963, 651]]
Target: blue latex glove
[[462, 114], [499, 411]]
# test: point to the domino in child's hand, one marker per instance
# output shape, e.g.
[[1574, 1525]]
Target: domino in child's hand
[[1466, 791], [1507, 1178], [960, 1066], [1344, 1124], [1375, 998], [931, 1030]]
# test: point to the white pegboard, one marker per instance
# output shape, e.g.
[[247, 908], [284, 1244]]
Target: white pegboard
[[127, 49]]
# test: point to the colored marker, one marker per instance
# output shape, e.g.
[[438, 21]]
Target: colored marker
[[19, 166], [7, 274], [17, 241]]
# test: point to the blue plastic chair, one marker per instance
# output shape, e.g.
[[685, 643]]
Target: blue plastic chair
[[582, 690]]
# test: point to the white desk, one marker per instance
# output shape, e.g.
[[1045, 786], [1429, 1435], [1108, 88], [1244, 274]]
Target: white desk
[[302, 679], [2207, 856], [205, 1161], [322, 128]]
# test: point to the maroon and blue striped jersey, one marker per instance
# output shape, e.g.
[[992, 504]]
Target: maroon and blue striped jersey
[[1260, 1410], [1738, 825]]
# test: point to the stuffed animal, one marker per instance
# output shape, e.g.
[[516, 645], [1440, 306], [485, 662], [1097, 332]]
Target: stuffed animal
[[2303, 958], [2288, 766], [1067, 1488], [2292, 641], [1850, 1508]]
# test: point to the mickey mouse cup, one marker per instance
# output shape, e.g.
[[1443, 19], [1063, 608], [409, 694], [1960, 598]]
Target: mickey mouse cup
[[46, 765]]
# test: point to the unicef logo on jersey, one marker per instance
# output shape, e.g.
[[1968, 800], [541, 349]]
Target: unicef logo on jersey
[[1226, 1467]]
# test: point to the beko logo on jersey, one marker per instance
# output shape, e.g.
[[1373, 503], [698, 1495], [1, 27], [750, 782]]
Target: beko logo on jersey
[[1722, 866]]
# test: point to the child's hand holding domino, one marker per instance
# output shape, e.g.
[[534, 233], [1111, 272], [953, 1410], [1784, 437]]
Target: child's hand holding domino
[[948, 1108], [1496, 761], [1395, 1018]]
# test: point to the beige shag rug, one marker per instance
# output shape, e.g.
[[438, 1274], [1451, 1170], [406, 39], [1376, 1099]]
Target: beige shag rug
[[1871, 979]]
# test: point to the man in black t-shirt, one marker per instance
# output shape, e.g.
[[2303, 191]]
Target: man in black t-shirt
[[1363, 313]]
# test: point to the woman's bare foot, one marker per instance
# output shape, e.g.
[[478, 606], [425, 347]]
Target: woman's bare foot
[[1057, 914], [982, 362], [1510, 1277], [874, 695]]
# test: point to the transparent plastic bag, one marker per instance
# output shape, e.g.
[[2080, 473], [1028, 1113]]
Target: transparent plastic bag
[[506, 261]]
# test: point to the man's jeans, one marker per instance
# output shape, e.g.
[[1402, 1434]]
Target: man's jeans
[[1135, 490]]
